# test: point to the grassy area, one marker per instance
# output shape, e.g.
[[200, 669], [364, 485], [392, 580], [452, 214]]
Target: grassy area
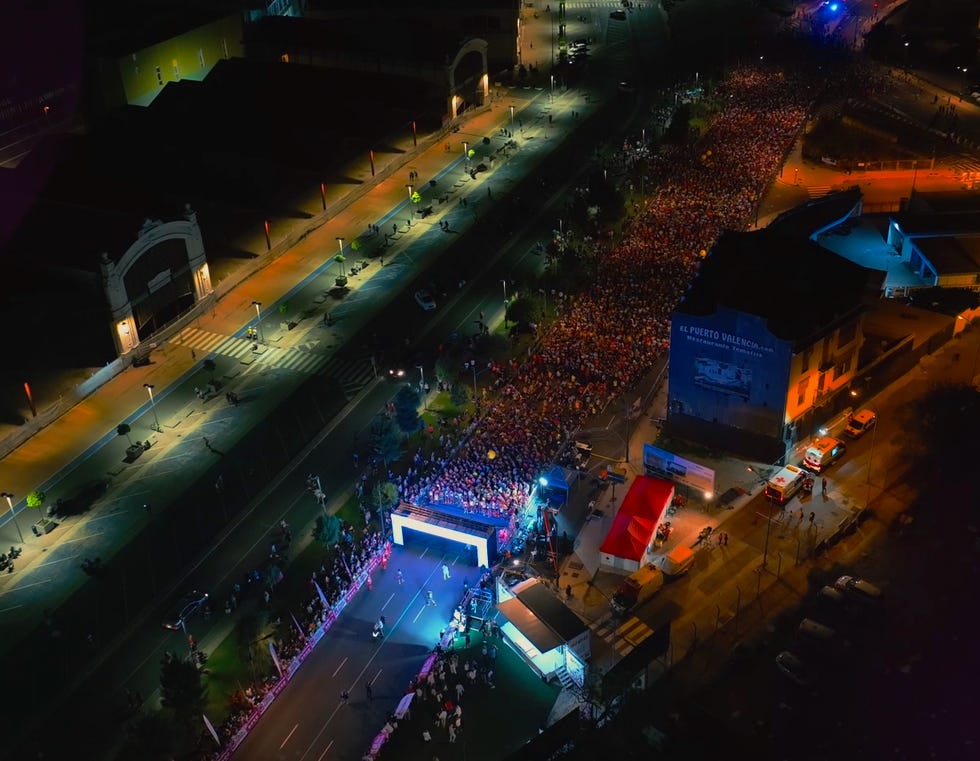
[[228, 667], [229, 672]]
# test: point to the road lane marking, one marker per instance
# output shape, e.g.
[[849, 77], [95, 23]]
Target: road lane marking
[[340, 667], [60, 560], [25, 586], [376, 676], [288, 736], [82, 538], [325, 751], [12, 607], [423, 553], [389, 600]]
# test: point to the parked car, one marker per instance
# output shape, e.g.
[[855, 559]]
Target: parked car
[[816, 630], [831, 595], [858, 587], [617, 15], [861, 423], [792, 668], [184, 609], [424, 299]]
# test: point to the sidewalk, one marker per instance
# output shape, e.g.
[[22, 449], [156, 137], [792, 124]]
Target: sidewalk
[[38, 463]]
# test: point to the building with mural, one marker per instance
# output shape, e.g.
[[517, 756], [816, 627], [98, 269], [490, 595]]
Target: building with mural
[[764, 342]]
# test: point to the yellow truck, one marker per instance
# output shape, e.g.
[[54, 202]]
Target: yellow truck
[[637, 588]]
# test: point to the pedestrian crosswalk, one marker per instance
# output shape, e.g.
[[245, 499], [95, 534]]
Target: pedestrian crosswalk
[[351, 374], [818, 191], [622, 635]]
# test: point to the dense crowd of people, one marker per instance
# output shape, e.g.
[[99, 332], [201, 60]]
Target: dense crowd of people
[[608, 338]]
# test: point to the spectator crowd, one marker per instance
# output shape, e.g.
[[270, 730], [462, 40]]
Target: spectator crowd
[[607, 338]]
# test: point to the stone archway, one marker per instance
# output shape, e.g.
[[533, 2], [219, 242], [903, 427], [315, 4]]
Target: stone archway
[[469, 83], [164, 273]]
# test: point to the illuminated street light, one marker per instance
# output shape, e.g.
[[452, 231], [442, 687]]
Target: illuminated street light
[[504, 282], [765, 549], [153, 406], [10, 503], [258, 318]]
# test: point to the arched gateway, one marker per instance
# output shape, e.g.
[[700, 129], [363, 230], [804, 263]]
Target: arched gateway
[[162, 275]]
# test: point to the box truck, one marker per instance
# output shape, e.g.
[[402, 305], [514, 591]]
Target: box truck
[[637, 588]]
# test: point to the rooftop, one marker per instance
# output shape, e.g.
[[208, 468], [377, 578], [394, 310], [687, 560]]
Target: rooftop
[[947, 212], [950, 255], [543, 603], [800, 288], [818, 214], [413, 38], [117, 27]]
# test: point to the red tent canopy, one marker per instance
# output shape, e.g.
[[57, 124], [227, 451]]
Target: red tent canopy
[[633, 528]]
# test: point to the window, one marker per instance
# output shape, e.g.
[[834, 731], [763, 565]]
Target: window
[[801, 392], [846, 334], [805, 360], [844, 366], [159, 77], [284, 58]]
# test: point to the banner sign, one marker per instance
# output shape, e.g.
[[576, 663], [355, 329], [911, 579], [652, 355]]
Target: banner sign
[[660, 462]]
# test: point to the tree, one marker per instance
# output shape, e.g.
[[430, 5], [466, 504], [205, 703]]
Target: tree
[[209, 368], [384, 495], [152, 738], [521, 310], [386, 439], [446, 367], [181, 688], [123, 430], [946, 420], [36, 498], [407, 409], [459, 394], [326, 530]]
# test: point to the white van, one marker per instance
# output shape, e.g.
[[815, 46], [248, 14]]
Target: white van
[[782, 486], [822, 453], [860, 424]]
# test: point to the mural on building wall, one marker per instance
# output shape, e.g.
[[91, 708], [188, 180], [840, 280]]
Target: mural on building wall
[[728, 368]]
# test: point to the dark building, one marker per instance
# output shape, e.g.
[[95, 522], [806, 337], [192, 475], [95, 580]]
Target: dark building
[[766, 337]]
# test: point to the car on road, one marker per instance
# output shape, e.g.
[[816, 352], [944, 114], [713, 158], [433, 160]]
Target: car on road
[[184, 609], [860, 588], [626, 86], [792, 668], [861, 423], [579, 44], [617, 15], [424, 299]]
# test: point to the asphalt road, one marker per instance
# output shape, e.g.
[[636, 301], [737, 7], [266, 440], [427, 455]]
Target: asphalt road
[[241, 547], [309, 719]]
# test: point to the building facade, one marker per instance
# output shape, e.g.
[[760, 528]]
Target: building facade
[[765, 344]]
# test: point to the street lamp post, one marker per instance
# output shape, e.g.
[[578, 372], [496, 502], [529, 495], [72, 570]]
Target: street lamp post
[[340, 260], [871, 454], [765, 548], [10, 503], [421, 378], [153, 406], [258, 318], [512, 116], [504, 282]]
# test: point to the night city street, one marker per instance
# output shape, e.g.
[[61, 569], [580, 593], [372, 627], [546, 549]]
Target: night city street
[[492, 380]]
